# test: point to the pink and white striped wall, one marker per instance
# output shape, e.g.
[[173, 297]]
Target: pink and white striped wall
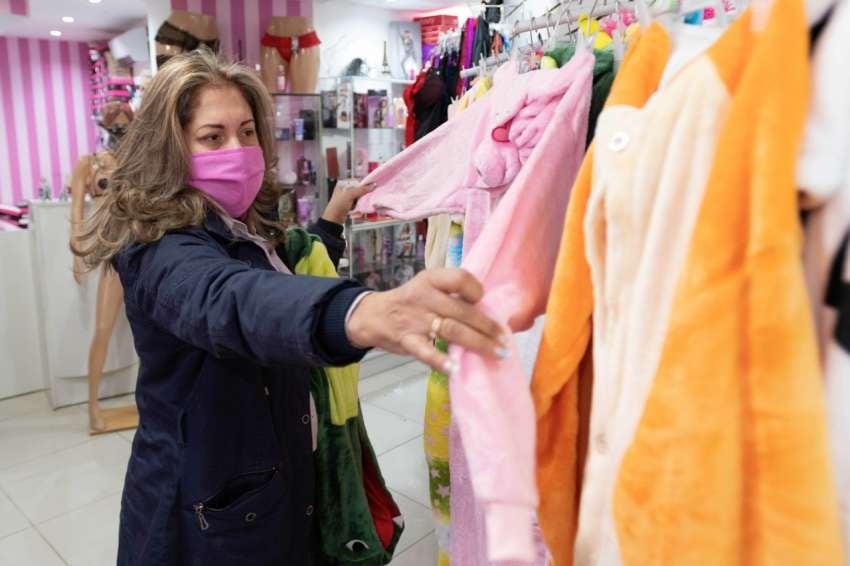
[[14, 7], [242, 23], [45, 125]]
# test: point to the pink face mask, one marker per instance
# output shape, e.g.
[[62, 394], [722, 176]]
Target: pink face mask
[[232, 177]]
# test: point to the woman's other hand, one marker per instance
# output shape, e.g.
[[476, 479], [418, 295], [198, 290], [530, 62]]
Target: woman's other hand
[[343, 199], [435, 303]]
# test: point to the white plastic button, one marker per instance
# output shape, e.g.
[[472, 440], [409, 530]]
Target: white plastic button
[[305, 419], [601, 444], [619, 141]]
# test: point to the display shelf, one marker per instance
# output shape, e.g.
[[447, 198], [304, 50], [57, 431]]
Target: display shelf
[[364, 225], [386, 265], [390, 274], [342, 120], [378, 129], [384, 253], [388, 80], [354, 106], [303, 158]]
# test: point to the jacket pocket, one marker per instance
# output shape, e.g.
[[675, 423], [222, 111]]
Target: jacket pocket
[[239, 502], [243, 523]]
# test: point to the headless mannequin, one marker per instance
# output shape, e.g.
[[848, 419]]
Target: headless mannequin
[[90, 177], [301, 73], [202, 27]]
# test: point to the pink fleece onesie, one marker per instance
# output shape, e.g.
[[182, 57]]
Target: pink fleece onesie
[[484, 147], [514, 258]]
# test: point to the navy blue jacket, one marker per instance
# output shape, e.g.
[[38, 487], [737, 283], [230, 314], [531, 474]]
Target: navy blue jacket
[[221, 471]]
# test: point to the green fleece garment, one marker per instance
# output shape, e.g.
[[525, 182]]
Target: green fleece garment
[[350, 489], [603, 78], [342, 381]]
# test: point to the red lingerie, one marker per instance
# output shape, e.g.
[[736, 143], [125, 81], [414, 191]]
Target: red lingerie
[[284, 45]]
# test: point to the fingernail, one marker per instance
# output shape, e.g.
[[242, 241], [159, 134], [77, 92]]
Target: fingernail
[[503, 353], [505, 340], [449, 368]]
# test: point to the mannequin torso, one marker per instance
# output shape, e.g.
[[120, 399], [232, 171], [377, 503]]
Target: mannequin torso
[[302, 70], [184, 31]]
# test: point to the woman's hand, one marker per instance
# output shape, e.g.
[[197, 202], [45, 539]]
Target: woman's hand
[[343, 199], [435, 303]]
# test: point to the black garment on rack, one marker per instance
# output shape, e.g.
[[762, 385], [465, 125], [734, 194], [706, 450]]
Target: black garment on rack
[[481, 47], [493, 15], [817, 29], [430, 105], [450, 71], [838, 295]]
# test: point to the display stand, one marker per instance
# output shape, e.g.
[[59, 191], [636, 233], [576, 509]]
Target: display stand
[[123, 418], [22, 367], [67, 315]]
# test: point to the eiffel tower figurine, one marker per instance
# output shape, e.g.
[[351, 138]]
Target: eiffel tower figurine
[[386, 71]]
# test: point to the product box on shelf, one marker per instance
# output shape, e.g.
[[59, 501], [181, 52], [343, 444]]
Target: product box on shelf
[[344, 105], [309, 119], [405, 241], [378, 106], [329, 108], [361, 110]]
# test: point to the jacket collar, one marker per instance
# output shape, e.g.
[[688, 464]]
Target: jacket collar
[[216, 226]]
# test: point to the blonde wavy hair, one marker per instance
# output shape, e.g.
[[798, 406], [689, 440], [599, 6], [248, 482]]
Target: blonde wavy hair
[[148, 195]]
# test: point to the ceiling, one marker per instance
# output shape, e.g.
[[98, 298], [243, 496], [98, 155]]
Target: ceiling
[[91, 21]]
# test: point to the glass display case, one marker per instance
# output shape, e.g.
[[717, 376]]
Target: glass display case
[[364, 122], [300, 167], [384, 254]]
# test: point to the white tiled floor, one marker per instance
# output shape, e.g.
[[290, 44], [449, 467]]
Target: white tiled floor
[[60, 489]]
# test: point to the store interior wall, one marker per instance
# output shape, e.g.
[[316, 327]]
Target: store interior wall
[[349, 30], [45, 124]]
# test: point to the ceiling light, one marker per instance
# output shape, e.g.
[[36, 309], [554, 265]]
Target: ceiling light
[[68, 19], [55, 33], [94, 1]]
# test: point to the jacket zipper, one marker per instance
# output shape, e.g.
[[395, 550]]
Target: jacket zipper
[[202, 521]]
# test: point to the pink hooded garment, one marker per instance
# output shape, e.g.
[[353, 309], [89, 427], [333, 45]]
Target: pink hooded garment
[[524, 142], [484, 147], [514, 258]]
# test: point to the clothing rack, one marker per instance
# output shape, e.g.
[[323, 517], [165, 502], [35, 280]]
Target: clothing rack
[[448, 41], [489, 62], [554, 17]]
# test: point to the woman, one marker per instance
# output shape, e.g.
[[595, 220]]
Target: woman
[[225, 335]]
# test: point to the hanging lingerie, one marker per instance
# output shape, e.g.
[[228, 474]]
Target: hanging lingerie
[[170, 34], [286, 46]]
